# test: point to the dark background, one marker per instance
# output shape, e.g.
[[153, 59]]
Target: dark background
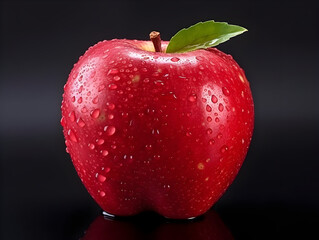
[[276, 192]]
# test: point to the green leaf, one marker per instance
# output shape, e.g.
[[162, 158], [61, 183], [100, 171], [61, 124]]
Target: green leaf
[[202, 35]]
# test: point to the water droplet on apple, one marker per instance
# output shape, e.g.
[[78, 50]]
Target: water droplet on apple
[[110, 130], [148, 147], [80, 100], [80, 89], [73, 99], [221, 107], [101, 178], [107, 170], [104, 153], [211, 141], [214, 99], [116, 78], [223, 149], [84, 110], [110, 116], [113, 71], [95, 113], [112, 86], [72, 136], [209, 131], [80, 122], [225, 91], [99, 141], [111, 106], [208, 108], [219, 136], [217, 119], [157, 157], [95, 100], [101, 87], [174, 59], [72, 116], [192, 98], [91, 146], [209, 119], [63, 122], [102, 194]]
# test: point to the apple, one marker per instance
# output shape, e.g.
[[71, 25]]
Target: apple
[[164, 130], [209, 226]]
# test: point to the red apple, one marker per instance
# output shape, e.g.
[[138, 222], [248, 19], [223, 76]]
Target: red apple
[[157, 131]]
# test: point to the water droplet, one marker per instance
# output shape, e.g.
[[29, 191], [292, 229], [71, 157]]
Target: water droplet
[[107, 170], [157, 157], [174, 59], [80, 122], [113, 146], [209, 119], [201, 67], [188, 134], [84, 110], [102, 194], [223, 149], [214, 99], [101, 87], [104, 153], [208, 108], [221, 107], [116, 78], [99, 141], [73, 99], [112, 86], [95, 100], [200, 166], [110, 116], [63, 122], [199, 58], [80, 100], [243, 141], [192, 98], [72, 136], [111, 106], [110, 130], [72, 116], [211, 141], [225, 91], [204, 100], [148, 147], [95, 113], [219, 136], [91, 146], [101, 178], [81, 89], [113, 71], [209, 131]]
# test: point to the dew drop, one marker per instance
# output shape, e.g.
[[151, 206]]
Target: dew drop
[[116, 78], [214, 99], [84, 110], [225, 91], [219, 136], [192, 98], [113, 71], [80, 100], [72, 116], [148, 147], [95, 100], [157, 157], [223, 149], [104, 153], [221, 107], [107, 170], [80, 89], [110, 116], [208, 108], [102, 194], [209, 119], [73, 99], [211, 141], [209, 131], [72, 136], [95, 113], [110, 130], [80, 122], [63, 122], [101, 87], [111, 106], [174, 59], [101, 178], [99, 141], [91, 146], [112, 86]]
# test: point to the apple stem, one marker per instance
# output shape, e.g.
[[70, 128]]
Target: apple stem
[[156, 39]]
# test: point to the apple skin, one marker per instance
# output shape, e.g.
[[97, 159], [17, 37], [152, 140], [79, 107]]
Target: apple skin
[[156, 131]]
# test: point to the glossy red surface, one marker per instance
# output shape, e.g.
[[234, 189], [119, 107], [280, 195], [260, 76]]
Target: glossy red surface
[[156, 131]]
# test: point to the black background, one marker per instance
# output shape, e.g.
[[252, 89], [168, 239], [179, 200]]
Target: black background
[[276, 192]]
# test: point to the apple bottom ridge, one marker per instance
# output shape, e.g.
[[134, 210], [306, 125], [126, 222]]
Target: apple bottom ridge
[[149, 214]]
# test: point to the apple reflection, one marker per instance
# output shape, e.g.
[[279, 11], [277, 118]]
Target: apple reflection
[[150, 226]]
